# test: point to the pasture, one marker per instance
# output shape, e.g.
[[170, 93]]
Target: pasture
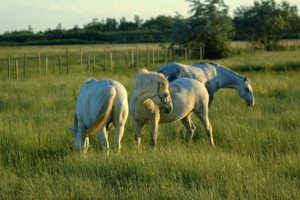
[[257, 151]]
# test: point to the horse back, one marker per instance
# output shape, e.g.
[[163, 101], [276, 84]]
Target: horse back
[[91, 100], [189, 87], [177, 70]]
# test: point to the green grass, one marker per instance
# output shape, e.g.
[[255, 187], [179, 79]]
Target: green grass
[[256, 156]]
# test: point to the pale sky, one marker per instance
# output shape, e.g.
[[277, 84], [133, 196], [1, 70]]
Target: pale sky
[[44, 14]]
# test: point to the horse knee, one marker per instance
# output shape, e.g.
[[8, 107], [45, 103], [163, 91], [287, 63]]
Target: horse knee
[[86, 145], [105, 150], [117, 148], [189, 135], [210, 134], [78, 141], [153, 142], [137, 139]]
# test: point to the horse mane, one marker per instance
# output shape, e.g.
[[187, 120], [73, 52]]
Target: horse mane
[[218, 66], [144, 78]]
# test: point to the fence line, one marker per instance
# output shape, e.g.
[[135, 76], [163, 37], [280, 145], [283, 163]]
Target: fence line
[[105, 59]]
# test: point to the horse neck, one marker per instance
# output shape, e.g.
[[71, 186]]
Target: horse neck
[[141, 97], [228, 78]]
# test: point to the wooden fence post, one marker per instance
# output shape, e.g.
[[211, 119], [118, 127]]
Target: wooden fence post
[[59, 64], [148, 60], [200, 53], [136, 57], [17, 69], [104, 51], [157, 56], [166, 55], [67, 59], [24, 66], [46, 67], [153, 57], [88, 63], [8, 68], [80, 59], [126, 58], [132, 59], [116, 59], [94, 60], [111, 61], [40, 63]]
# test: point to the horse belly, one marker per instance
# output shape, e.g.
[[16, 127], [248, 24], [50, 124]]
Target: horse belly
[[178, 113]]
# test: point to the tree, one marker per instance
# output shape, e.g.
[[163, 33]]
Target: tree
[[208, 26], [30, 29], [95, 25], [161, 23], [138, 21], [127, 26], [181, 31], [267, 22], [111, 24], [59, 27]]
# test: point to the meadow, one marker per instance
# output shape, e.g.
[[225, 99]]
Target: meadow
[[256, 157]]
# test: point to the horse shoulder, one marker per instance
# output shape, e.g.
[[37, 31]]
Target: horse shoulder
[[202, 92]]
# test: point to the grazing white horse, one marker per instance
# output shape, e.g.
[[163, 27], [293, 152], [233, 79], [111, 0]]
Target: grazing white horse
[[213, 75], [189, 96], [100, 104], [150, 97]]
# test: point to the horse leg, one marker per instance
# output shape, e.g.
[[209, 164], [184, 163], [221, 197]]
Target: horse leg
[[86, 144], [203, 116], [119, 131], [153, 130], [81, 141], [137, 126], [211, 98], [102, 134], [189, 126]]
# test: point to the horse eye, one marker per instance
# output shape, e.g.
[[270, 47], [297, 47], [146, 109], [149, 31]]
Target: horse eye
[[247, 90]]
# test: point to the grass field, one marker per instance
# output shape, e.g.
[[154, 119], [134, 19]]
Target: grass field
[[256, 157]]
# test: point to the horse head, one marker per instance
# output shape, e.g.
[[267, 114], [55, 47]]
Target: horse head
[[157, 86], [245, 91], [162, 96]]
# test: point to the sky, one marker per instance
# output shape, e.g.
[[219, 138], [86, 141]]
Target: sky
[[44, 14]]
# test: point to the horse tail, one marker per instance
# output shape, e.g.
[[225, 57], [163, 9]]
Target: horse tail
[[105, 110]]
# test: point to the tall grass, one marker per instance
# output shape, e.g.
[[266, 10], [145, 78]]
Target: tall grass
[[256, 155]]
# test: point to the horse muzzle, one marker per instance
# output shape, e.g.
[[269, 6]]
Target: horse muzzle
[[167, 108], [251, 103]]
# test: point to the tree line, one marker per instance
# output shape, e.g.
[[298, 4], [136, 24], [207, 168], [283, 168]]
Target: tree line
[[208, 26]]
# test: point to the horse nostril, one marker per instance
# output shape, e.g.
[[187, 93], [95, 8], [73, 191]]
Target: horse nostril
[[168, 109], [251, 103]]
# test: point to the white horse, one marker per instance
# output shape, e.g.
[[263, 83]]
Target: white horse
[[100, 104], [187, 96], [150, 96], [213, 75]]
